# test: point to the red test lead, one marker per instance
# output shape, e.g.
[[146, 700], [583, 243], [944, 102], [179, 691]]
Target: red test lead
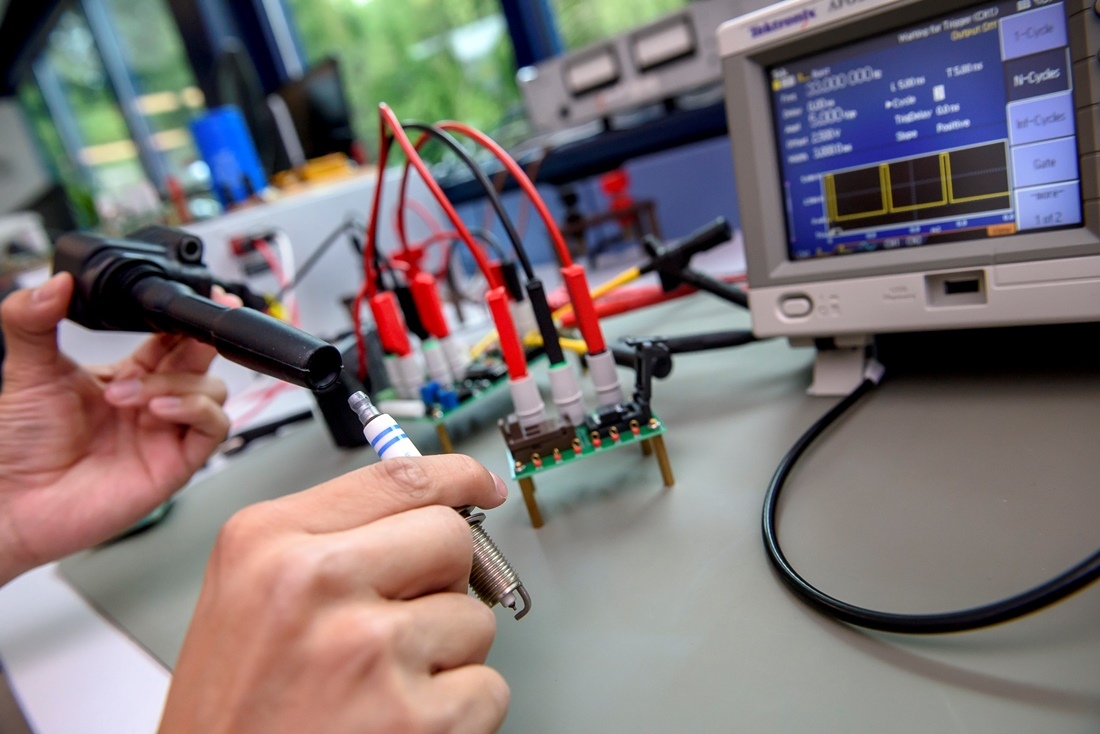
[[529, 408], [426, 298], [576, 282], [601, 363], [402, 369], [391, 324], [510, 345], [521, 178]]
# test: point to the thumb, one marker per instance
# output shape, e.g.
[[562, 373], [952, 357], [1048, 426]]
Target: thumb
[[29, 319]]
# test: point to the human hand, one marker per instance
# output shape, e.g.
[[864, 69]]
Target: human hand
[[344, 609], [86, 453]]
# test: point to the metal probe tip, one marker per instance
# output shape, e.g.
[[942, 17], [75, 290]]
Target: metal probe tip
[[363, 407]]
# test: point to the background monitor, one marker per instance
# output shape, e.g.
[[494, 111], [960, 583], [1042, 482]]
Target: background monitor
[[904, 167], [319, 110]]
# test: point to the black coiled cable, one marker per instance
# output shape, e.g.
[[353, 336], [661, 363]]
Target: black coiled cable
[[1043, 595]]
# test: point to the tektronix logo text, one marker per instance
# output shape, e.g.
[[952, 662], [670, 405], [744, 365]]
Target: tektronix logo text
[[770, 26], [841, 4]]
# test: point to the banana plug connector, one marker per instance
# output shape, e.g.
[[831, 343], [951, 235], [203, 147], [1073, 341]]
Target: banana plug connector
[[492, 578]]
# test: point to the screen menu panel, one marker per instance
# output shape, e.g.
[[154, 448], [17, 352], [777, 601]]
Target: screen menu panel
[[958, 128]]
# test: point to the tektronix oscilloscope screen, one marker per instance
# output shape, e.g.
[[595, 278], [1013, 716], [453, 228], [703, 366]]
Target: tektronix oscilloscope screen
[[958, 128]]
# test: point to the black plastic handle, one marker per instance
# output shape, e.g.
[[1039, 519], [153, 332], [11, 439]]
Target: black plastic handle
[[242, 335]]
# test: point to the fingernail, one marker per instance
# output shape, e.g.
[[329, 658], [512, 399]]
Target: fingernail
[[165, 404], [47, 291], [123, 391], [502, 488]]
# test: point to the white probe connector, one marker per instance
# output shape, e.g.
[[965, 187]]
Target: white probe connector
[[435, 359], [566, 391], [601, 368]]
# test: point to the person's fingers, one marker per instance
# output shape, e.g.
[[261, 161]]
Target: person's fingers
[[387, 488], [207, 423], [29, 319], [218, 295], [102, 372], [425, 636], [149, 355], [138, 391], [197, 412], [451, 631], [470, 700], [403, 556], [168, 353], [188, 356]]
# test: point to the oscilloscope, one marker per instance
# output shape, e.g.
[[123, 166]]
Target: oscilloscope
[[905, 168]]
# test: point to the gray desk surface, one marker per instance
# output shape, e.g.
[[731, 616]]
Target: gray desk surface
[[656, 611]]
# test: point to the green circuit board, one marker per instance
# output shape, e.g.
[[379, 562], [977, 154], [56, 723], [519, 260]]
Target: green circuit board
[[584, 446]]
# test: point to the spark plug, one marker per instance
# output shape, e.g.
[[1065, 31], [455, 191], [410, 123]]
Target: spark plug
[[492, 578]]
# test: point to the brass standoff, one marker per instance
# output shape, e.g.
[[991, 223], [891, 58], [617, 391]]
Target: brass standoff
[[662, 460], [613, 433], [444, 438], [528, 488], [634, 427], [577, 445], [654, 423]]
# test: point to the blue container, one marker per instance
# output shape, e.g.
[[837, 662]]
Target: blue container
[[226, 145]]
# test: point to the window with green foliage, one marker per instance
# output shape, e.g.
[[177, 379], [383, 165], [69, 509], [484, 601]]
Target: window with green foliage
[[107, 152], [582, 22], [427, 59], [166, 91], [74, 102], [75, 182]]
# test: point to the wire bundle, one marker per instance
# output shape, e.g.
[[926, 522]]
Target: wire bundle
[[409, 259]]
